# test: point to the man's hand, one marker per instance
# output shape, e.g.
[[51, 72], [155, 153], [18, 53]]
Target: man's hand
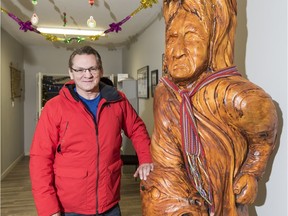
[[144, 170], [56, 214], [245, 188]]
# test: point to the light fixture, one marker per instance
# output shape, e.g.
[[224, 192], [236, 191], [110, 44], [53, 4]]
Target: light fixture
[[65, 31], [91, 22], [34, 19]]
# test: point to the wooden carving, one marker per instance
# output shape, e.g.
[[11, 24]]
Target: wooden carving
[[214, 130]]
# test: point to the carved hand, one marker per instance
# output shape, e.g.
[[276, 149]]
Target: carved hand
[[245, 188]]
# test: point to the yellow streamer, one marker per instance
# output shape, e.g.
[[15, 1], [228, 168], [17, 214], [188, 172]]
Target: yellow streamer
[[94, 38], [148, 3]]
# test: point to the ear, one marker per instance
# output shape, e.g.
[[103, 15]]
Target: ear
[[71, 74]]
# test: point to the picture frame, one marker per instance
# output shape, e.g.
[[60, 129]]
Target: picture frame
[[16, 83], [143, 82], [154, 81]]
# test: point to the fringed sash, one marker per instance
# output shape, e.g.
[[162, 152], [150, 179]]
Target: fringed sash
[[194, 154]]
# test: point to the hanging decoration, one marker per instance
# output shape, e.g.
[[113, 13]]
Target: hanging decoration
[[113, 27], [91, 22], [34, 2], [91, 2], [24, 26], [117, 26], [34, 19], [64, 19]]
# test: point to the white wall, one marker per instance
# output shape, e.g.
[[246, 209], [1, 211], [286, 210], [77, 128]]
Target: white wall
[[52, 60], [261, 56], [266, 65], [12, 117], [147, 50]]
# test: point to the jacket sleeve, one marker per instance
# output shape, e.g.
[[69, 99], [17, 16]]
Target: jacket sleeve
[[135, 129], [41, 163]]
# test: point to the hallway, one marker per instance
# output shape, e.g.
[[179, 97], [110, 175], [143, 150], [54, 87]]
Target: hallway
[[17, 200]]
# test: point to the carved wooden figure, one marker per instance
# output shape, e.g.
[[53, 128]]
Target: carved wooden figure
[[214, 130]]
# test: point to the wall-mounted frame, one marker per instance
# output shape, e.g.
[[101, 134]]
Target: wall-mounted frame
[[154, 81], [16, 87], [143, 82]]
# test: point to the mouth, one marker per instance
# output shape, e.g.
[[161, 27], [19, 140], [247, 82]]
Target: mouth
[[87, 82], [180, 67]]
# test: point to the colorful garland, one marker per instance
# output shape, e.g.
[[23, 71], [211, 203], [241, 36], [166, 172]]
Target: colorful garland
[[113, 27]]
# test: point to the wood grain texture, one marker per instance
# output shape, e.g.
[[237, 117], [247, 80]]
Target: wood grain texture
[[236, 120], [236, 135]]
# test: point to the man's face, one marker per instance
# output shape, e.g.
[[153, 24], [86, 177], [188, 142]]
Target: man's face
[[86, 81], [187, 46]]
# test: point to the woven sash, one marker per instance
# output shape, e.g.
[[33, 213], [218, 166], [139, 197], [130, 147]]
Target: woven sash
[[194, 154]]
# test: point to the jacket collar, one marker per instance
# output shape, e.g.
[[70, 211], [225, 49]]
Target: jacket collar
[[107, 92]]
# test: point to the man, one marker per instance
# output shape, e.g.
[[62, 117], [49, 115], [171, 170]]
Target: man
[[211, 140], [75, 163]]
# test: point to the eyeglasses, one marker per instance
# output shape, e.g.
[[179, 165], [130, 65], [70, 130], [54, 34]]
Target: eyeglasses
[[83, 70]]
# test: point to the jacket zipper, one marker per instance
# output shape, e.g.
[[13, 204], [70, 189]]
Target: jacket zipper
[[98, 148], [97, 166], [98, 152], [100, 106]]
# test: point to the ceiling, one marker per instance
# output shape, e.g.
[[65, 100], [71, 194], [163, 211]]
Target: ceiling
[[105, 12]]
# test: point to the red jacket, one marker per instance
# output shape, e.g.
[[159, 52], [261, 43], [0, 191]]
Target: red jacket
[[75, 163]]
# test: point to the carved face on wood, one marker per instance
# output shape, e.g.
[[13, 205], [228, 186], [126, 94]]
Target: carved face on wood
[[187, 46], [199, 37]]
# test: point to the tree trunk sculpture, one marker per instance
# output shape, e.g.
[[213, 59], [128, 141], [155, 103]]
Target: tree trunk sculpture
[[213, 129]]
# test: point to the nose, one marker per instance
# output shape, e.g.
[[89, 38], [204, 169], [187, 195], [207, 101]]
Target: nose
[[89, 70], [89, 74], [179, 49]]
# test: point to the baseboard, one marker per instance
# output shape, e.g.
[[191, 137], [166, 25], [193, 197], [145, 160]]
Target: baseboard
[[8, 170]]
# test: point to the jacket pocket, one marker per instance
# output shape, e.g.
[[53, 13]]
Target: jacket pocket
[[63, 130], [71, 186], [114, 177]]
